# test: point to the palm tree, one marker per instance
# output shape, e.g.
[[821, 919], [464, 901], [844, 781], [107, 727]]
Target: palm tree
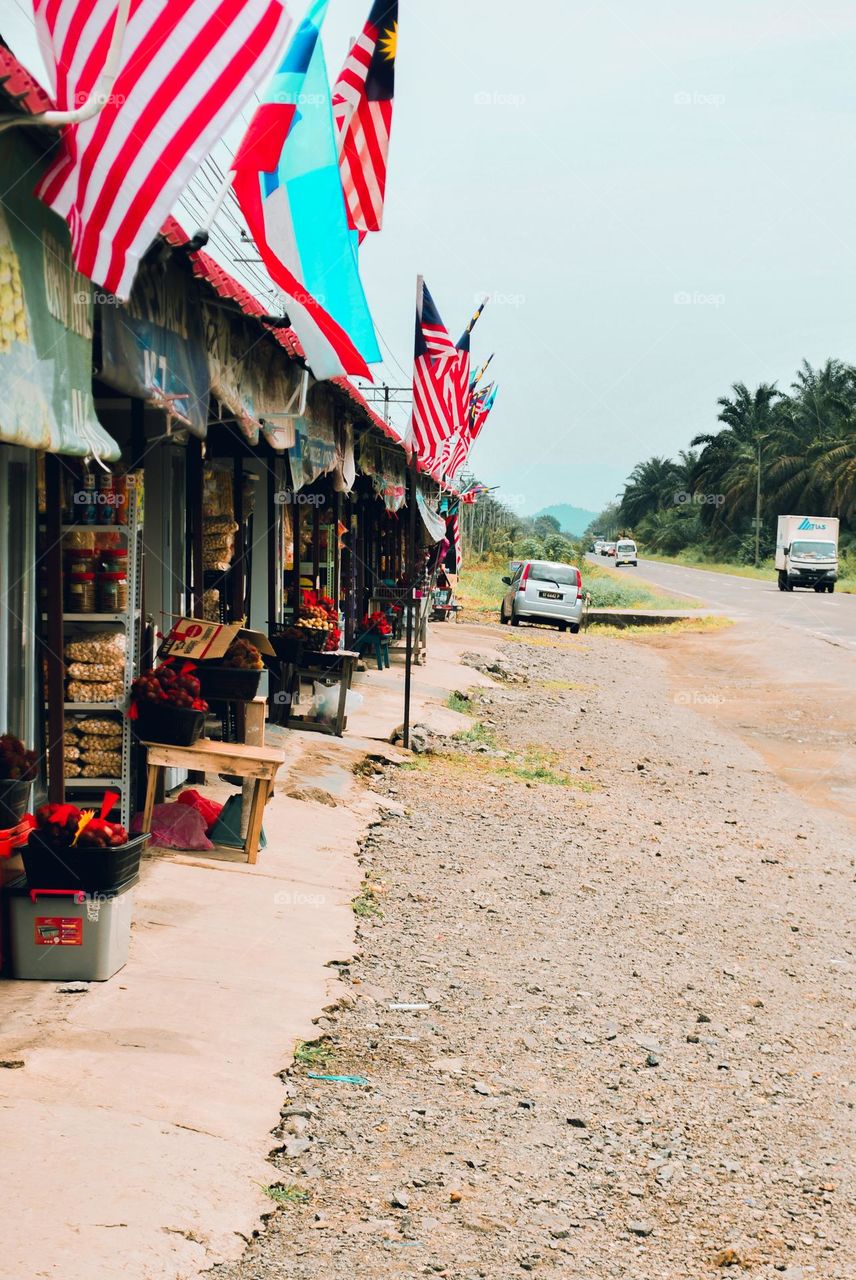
[[815, 435], [651, 486], [731, 463]]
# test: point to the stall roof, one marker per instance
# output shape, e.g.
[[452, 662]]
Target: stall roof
[[224, 284], [28, 94]]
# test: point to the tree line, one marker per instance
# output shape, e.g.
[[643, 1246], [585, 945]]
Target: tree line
[[776, 452]]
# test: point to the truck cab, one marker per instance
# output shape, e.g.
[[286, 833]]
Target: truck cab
[[807, 552]]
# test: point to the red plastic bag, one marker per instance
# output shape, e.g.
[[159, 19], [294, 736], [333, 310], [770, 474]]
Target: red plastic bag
[[209, 809], [175, 826]]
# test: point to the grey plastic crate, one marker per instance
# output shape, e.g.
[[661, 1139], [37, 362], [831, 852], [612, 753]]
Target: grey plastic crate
[[67, 935]]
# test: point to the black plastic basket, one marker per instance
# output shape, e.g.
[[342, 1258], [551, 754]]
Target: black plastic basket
[[227, 684], [14, 798], [92, 870], [174, 726], [288, 648]]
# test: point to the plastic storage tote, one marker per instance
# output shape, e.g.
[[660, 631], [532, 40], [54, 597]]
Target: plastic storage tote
[[68, 936]]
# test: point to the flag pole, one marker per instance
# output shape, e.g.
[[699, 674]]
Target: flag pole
[[411, 561], [483, 370], [477, 313], [100, 95], [200, 236]]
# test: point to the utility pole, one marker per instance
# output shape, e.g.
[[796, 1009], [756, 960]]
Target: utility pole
[[758, 511]]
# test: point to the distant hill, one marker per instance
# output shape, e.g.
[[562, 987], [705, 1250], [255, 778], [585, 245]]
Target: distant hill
[[574, 520]]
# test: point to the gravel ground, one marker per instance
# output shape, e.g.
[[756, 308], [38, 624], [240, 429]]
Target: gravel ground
[[633, 944]]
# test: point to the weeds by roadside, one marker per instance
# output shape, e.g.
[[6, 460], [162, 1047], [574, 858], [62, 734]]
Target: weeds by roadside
[[286, 1194], [367, 901], [679, 626], [312, 1053], [478, 734]]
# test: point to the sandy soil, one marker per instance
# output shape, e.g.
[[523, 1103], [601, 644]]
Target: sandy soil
[[634, 1059]]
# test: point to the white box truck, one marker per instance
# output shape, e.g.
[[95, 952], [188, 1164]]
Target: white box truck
[[807, 552]]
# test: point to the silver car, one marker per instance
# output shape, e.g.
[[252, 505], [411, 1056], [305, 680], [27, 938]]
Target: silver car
[[543, 591]]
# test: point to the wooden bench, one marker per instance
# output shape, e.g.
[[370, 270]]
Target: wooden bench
[[257, 763]]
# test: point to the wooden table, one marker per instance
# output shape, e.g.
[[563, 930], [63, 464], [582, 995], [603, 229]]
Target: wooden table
[[257, 763]]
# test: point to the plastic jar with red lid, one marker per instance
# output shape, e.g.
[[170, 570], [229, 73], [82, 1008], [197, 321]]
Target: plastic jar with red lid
[[80, 593], [113, 592]]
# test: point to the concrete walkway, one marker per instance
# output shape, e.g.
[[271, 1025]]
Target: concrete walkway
[[133, 1139]]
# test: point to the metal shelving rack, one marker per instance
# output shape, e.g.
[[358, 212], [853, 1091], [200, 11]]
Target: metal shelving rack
[[130, 620]]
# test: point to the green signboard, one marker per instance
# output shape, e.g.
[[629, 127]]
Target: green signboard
[[45, 321]]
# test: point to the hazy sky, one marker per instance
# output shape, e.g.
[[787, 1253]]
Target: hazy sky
[[658, 196]]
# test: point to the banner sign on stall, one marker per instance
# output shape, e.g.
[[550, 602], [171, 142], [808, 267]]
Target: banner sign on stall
[[45, 322], [250, 377], [153, 346]]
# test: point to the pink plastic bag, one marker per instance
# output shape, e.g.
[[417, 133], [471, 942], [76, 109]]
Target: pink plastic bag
[[209, 809], [175, 826]]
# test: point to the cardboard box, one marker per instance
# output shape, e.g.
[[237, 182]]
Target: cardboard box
[[199, 640]]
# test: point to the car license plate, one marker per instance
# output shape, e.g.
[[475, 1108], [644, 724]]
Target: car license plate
[[550, 595]]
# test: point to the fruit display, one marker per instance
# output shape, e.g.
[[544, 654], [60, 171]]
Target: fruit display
[[243, 656], [17, 764], [318, 624], [64, 826], [168, 685], [378, 622]]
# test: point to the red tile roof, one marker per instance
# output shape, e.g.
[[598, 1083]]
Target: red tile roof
[[22, 88]]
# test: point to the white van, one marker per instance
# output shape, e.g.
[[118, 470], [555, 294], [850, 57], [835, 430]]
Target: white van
[[625, 552]]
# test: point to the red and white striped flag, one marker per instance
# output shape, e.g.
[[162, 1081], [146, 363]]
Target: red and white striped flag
[[435, 356], [362, 111], [186, 69]]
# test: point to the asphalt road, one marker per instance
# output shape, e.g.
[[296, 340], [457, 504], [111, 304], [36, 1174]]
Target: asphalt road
[[828, 617]]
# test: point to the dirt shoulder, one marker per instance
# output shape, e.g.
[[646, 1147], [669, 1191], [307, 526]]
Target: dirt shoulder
[[632, 942], [790, 696]]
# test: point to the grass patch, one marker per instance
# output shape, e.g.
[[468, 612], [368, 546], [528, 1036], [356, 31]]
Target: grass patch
[[367, 902], [561, 684], [679, 626], [461, 702], [288, 1194], [611, 589], [540, 766], [533, 765], [480, 590], [478, 734], [313, 1053]]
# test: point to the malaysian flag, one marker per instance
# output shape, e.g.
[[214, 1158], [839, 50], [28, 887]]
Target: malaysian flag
[[435, 354], [184, 73], [288, 186], [362, 109], [481, 403]]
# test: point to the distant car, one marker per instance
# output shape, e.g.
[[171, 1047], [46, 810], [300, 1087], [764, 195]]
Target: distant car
[[592, 546], [625, 552], [608, 549], [543, 591], [602, 549]]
